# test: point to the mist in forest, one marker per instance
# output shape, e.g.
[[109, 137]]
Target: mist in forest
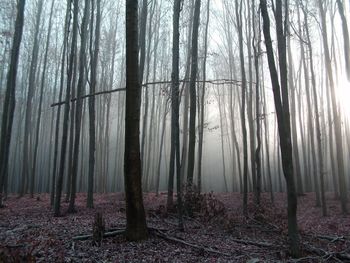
[[222, 66]]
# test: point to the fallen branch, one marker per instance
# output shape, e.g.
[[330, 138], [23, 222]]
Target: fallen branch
[[320, 252], [332, 238], [254, 243], [105, 235], [201, 248]]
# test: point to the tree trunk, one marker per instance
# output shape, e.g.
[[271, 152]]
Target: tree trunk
[[243, 106], [92, 131], [29, 108], [136, 228], [79, 104], [202, 103], [345, 37], [72, 55], [336, 114], [36, 143], [282, 112], [10, 100], [193, 99]]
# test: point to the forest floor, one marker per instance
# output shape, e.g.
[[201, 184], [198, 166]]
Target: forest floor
[[216, 233]]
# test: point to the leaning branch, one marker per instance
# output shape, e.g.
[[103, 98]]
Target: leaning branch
[[213, 82]]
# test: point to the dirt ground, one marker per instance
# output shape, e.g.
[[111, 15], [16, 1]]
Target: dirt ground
[[216, 233]]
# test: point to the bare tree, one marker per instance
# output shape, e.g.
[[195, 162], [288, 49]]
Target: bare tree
[[280, 91], [92, 132], [79, 104], [193, 99], [42, 85], [336, 114], [29, 105], [136, 228], [345, 37], [202, 102], [243, 106], [59, 183], [10, 100]]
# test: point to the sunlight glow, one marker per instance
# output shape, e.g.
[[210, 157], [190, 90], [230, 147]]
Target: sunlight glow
[[343, 93]]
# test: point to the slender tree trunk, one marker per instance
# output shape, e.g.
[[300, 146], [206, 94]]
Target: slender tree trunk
[[345, 37], [92, 131], [29, 107], [202, 102], [282, 111], [193, 99], [243, 106], [72, 55], [317, 120], [58, 115], [336, 114], [36, 143], [257, 51], [79, 104]]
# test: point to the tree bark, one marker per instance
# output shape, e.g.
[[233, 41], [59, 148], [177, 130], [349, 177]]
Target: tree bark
[[193, 99], [10, 100], [43, 75], [136, 228], [336, 114], [72, 55], [29, 107], [243, 106], [282, 112], [92, 131]]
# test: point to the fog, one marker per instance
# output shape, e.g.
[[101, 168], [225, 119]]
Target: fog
[[222, 159]]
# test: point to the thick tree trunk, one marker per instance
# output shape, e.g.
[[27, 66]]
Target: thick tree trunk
[[136, 228], [10, 100]]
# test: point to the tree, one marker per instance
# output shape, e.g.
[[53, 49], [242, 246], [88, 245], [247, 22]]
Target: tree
[[175, 129], [280, 93], [136, 228], [194, 67], [202, 102], [336, 114], [92, 131], [42, 85], [10, 100], [345, 37], [243, 106], [29, 104], [59, 184], [79, 105]]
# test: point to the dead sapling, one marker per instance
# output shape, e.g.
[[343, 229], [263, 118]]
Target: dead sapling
[[98, 229]]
